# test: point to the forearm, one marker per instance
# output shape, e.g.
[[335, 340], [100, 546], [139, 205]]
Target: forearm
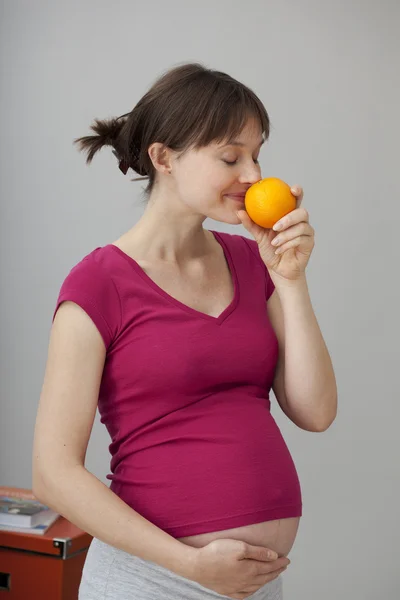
[[309, 379], [84, 500]]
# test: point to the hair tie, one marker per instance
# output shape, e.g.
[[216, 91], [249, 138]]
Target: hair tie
[[122, 163]]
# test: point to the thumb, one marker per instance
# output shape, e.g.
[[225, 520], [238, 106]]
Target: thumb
[[245, 220], [255, 230], [259, 553]]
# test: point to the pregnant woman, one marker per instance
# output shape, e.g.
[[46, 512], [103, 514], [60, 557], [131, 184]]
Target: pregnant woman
[[177, 334]]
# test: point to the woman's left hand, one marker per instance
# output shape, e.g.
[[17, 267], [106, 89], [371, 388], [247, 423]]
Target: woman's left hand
[[295, 240]]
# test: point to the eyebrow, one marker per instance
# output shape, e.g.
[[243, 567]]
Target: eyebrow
[[237, 143]]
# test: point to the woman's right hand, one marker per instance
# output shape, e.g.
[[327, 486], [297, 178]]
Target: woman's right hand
[[234, 568]]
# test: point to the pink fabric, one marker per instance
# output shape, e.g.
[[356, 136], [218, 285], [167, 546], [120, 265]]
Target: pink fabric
[[185, 396]]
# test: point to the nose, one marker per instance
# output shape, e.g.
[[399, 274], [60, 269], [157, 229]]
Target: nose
[[251, 174]]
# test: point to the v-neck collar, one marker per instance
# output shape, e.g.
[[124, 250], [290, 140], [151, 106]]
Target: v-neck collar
[[225, 313]]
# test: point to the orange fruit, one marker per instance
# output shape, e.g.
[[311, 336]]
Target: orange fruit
[[269, 200]]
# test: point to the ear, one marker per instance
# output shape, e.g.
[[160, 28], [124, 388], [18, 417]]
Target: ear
[[160, 156]]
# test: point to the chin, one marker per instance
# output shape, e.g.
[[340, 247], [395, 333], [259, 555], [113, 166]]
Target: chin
[[230, 218]]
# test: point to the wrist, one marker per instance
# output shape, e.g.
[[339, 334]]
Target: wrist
[[185, 560], [281, 283]]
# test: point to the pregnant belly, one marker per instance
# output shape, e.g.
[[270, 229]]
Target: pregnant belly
[[206, 471], [278, 535]]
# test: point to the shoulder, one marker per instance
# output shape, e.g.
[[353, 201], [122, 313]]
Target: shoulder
[[245, 253], [95, 260], [90, 284], [92, 274], [247, 248]]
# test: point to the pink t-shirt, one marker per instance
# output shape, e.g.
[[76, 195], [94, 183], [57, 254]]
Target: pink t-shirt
[[185, 396]]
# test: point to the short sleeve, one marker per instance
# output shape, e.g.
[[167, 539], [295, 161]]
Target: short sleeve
[[269, 284], [90, 286]]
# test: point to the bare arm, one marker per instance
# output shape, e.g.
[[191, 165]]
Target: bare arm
[[64, 422], [304, 384]]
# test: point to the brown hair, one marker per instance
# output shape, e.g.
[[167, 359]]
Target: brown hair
[[188, 106]]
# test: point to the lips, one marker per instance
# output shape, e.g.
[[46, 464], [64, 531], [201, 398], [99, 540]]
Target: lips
[[238, 196]]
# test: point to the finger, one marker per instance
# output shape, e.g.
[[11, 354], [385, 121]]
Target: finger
[[260, 580], [297, 191], [275, 565], [256, 231], [258, 553], [295, 216], [245, 219], [293, 232], [304, 240]]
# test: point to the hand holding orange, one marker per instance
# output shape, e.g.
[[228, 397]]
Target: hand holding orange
[[272, 206], [269, 200]]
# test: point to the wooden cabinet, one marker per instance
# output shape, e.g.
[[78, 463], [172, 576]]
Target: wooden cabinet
[[43, 567]]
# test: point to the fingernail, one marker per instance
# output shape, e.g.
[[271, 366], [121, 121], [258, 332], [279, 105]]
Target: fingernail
[[277, 226]]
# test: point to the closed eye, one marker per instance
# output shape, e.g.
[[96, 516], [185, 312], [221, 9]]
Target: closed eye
[[235, 161]]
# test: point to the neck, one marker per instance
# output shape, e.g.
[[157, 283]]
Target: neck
[[169, 231]]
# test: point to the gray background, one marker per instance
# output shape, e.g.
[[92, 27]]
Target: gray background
[[328, 73]]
